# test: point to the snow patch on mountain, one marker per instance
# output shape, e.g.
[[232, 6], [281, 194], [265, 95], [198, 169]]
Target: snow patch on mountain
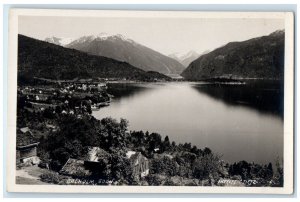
[[87, 39], [121, 48], [183, 56], [59, 40]]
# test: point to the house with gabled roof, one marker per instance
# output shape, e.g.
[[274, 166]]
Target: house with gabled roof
[[96, 160], [26, 147], [86, 166], [139, 163], [75, 168]]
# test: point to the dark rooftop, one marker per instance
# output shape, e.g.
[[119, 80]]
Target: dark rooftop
[[74, 167], [25, 138]]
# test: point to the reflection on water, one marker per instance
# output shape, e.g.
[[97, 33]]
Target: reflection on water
[[124, 90], [240, 122], [263, 96]]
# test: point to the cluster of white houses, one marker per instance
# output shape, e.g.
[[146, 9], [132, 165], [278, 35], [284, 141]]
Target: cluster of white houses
[[43, 97]]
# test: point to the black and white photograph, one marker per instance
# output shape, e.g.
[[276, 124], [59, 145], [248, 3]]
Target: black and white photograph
[[151, 100]]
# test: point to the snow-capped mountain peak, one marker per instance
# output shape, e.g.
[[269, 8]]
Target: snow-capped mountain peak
[[59, 40], [190, 54], [83, 39], [121, 48], [87, 39], [102, 37], [185, 58], [106, 36]]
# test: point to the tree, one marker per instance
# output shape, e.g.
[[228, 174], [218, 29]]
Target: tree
[[267, 172], [187, 146], [121, 169], [206, 151], [59, 157], [207, 167], [164, 165], [137, 138], [277, 180], [173, 144], [166, 146], [123, 125], [241, 168], [112, 134], [194, 150], [154, 141], [154, 180], [270, 170], [75, 148]]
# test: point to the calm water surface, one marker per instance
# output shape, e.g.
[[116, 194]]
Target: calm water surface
[[241, 122]]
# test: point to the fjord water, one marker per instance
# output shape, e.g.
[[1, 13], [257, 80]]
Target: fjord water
[[240, 122]]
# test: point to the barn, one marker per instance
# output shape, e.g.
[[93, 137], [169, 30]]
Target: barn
[[26, 147]]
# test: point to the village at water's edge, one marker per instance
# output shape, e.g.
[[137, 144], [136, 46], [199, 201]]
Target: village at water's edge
[[60, 142], [62, 86]]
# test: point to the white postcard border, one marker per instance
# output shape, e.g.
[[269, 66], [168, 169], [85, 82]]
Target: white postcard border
[[288, 103]]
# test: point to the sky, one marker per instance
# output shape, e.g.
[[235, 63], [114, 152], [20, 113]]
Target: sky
[[165, 35]]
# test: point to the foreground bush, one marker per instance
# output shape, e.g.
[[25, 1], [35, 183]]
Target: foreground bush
[[51, 177]]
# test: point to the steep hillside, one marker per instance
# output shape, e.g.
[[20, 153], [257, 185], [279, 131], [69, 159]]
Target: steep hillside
[[261, 57], [121, 48], [46, 60]]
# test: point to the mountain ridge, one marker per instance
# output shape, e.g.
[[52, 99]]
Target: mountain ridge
[[121, 48], [38, 58], [256, 58], [188, 57]]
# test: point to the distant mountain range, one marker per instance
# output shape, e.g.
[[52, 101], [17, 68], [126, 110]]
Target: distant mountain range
[[121, 48], [261, 58], [59, 41], [187, 58], [46, 60]]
